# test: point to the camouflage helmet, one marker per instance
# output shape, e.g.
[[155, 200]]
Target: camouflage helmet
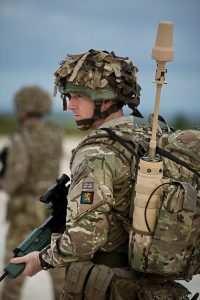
[[100, 75], [33, 100]]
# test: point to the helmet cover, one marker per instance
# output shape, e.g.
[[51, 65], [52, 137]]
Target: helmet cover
[[33, 100], [100, 75]]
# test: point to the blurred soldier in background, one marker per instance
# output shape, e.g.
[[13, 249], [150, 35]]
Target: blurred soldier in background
[[32, 165]]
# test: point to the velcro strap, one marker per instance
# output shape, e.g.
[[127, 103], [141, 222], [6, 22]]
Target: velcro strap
[[146, 189], [98, 282], [75, 279]]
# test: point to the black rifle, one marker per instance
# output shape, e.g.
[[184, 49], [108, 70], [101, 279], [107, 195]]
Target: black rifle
[[56, 200]]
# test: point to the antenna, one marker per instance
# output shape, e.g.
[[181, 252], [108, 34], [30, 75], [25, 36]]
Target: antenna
[[147, 199], [162, 52]]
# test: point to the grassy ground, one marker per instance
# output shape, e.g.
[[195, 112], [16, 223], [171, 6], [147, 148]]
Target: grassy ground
[[8, 124]]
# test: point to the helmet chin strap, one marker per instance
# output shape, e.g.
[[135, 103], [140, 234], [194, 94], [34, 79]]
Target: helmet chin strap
[[98, 114], [85, 124]]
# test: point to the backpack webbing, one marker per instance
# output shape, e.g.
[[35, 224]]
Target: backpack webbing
[[159, 151]]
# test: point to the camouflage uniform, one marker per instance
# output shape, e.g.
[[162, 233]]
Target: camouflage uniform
[[32, 166], [95, 242], [94, 246]]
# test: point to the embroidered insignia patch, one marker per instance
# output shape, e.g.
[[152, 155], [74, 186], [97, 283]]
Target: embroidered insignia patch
[[87, 197], [88, 185]]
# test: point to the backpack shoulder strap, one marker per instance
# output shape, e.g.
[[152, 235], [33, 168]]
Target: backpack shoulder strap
[[172, 157], [159, 151], [117, 138]]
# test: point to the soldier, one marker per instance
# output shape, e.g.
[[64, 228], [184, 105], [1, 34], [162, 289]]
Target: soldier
[[94, 246], [32, 165]]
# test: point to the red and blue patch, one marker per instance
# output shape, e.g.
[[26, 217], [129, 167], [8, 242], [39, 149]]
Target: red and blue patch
[[87, 197]]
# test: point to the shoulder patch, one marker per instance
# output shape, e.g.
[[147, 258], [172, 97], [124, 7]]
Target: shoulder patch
[[87, 197], [88, 185]]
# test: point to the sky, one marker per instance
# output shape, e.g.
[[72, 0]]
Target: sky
[[36, 35]]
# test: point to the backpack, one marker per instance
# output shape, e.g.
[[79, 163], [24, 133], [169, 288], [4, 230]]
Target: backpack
[[173, 248]]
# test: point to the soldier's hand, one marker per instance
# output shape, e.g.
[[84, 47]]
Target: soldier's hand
[[32, 263]]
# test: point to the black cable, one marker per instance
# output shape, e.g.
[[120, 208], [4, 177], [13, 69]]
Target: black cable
[[145, 211]]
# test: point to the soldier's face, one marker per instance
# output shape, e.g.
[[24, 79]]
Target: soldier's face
[[81, 106]]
